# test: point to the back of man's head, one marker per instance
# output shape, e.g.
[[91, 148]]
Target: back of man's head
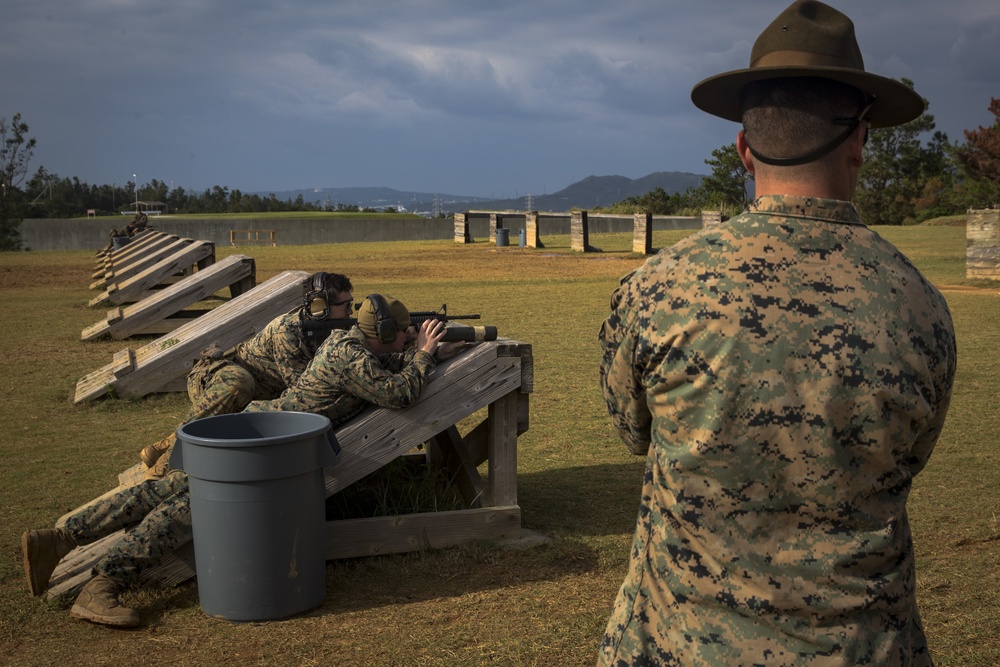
[[788, 118]]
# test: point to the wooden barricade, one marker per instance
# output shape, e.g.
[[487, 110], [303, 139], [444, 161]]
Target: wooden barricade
[[188, 255], [149, 256], [105, 253], [151, 368], [253, 237], [497, 375], [130, 254], [162, 312]]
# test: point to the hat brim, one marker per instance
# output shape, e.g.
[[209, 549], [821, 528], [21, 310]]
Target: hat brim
[[895, 103]]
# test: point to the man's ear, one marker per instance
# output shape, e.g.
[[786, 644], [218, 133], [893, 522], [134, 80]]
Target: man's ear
[[743, 148]]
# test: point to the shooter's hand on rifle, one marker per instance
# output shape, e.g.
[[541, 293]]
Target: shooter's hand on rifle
[[429, 336]]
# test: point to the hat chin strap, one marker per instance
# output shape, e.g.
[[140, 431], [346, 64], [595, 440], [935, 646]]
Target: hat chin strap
[[851, 123], [808, 157]]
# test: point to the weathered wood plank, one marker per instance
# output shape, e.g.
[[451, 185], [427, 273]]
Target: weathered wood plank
[[131, 289], [141, 316], [171, 356], [353, 538], [152, 246], [471, 381], [502, 451], [461, 469]]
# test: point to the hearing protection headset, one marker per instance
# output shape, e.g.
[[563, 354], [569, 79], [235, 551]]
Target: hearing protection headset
[[317, 300], [385, 324]]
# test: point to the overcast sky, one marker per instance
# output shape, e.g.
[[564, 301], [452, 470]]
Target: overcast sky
[[448, 96]]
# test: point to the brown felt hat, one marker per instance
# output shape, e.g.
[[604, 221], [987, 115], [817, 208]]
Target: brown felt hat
[[809, 39]]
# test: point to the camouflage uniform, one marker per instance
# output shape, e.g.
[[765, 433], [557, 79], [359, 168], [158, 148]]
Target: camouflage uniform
[[158, 514], [786, 374], [346, 377], [259, 368]]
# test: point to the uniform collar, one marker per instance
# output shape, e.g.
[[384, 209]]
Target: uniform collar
[[816, 208]]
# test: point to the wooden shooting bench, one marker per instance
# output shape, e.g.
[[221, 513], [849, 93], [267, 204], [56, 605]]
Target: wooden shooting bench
[[497, 376], [151, 245], [185, 256], [163, 364], [106, 254], [163, 311]]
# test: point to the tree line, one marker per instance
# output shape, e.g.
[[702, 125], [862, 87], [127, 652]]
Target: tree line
[[904, 180]]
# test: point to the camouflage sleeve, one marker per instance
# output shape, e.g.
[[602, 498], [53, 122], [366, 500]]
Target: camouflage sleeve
[[944, 376], [291, 355], [345, 377], [370, 380], [623, 390]]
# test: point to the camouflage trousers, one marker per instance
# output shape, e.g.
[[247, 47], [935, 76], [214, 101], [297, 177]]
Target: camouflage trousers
[[218, 387], [215, 387], [157, 513]]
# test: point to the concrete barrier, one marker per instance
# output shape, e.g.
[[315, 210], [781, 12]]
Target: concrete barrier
[[92, 233]]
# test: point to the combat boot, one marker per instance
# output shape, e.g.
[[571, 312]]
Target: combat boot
[[152, 453], [97, 603], [41, 551]]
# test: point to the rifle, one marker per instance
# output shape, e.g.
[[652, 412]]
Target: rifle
[[320, 329]]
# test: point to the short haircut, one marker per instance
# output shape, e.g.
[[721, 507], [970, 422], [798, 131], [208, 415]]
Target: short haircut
[[336, 283], [793, 116]]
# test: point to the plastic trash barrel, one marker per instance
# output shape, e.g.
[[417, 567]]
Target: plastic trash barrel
[[503, 236], [258, 511], [522, 238]]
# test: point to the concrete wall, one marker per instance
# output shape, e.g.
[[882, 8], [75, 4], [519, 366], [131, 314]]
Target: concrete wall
[[559, 223], [92, 233]]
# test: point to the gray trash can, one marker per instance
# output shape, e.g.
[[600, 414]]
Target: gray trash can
[[522, 238], [119, 242], [503, 236], [258, 511]]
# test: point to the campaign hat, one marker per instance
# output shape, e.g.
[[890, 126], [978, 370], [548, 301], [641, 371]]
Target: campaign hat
[[810, 39]]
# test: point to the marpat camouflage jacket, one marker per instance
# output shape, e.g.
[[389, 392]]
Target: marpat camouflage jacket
[[345, 377], [786, 373]]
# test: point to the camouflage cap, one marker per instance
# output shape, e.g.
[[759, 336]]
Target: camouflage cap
[[392, 310]]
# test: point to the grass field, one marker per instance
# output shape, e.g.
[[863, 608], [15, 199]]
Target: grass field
[[481, 604]]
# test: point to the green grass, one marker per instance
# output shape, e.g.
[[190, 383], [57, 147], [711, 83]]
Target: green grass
[[480, 604]]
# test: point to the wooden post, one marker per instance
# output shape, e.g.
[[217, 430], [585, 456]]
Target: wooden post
[[462, 234], [711, 218], [502, 448], [982, 253], [642, 233], [579, 236]]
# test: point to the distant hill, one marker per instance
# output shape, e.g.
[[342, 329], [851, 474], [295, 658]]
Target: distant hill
[[591, 191]]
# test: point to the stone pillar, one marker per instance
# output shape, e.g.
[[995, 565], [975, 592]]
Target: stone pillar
[[579, 235], [711, 218], [642, 233], [531, 229], [496, 220], [982, 251], [462, 234]]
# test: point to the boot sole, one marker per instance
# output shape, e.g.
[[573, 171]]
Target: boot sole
[[115, 621]]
